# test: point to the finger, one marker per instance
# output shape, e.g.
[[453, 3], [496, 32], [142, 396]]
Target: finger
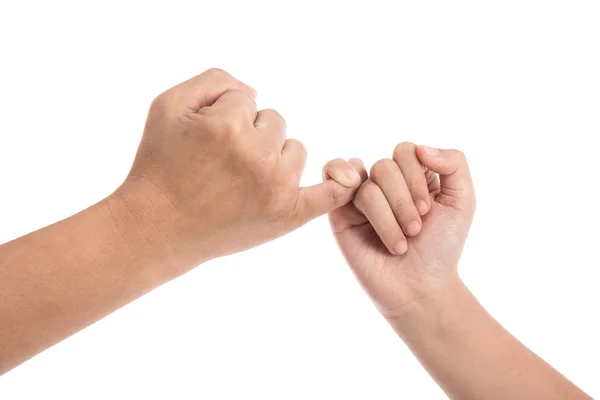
[[347, 216], [293, 159], [273, 125], [387, 175], [456, 185], [405, 155], [371, 201], [343, 172], [359, 166], [204, 89], [233, 106], [314, 201]]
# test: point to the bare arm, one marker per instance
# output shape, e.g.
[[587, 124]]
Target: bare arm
[[403, 236], [57, 280], [471, 356], [212, 176]]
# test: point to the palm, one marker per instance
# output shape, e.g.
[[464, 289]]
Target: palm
[[393, 281]]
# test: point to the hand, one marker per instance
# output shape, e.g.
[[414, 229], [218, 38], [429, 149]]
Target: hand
[[214, 176], [404, 231]]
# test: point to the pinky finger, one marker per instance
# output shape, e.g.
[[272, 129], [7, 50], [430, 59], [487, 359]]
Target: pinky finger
[[350, 174]]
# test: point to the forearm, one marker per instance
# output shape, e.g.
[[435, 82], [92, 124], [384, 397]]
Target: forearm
[[56, 281], [472, 356]]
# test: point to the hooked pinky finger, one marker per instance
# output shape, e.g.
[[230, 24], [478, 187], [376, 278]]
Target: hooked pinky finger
[[350, 173]]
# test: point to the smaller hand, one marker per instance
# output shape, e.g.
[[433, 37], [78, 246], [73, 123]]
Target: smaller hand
[[213, 175], [404, 231]]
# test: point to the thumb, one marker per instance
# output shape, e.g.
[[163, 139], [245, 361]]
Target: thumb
[[456, 185], [341, 181]]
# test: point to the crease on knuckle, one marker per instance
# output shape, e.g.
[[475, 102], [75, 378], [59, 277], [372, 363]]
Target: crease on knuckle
[[412, 184], [417, 187], [382, 168], [403, 208]]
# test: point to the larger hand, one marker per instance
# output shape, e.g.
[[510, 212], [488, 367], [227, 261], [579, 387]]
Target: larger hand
[[214, 176]]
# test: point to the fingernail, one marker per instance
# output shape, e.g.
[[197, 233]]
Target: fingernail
[[352, 175], [401, 247], [413, 228], [422, 207], [430, 151]]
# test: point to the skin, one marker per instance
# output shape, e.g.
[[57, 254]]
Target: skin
[[402, 236], [212, 176]]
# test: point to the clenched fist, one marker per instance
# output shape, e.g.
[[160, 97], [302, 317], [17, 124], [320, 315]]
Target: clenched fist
[[404, 232], [214, 176]]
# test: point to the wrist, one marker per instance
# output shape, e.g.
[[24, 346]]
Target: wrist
[[147, 222], [438, 311]]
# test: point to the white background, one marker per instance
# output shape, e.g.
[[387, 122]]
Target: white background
[[514, 84]]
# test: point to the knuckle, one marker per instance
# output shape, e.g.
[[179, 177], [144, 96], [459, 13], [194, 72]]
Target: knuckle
[[330, 167], [299, 146], [459, 155], [403, 149], [368, 193], [416, 185], [405, 209], [224, 122], [231, 126], [217, 125], [216, 73], [159, 103], [162, 107], [303, 150], [382, 167], [222, 129], [274, 115]]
